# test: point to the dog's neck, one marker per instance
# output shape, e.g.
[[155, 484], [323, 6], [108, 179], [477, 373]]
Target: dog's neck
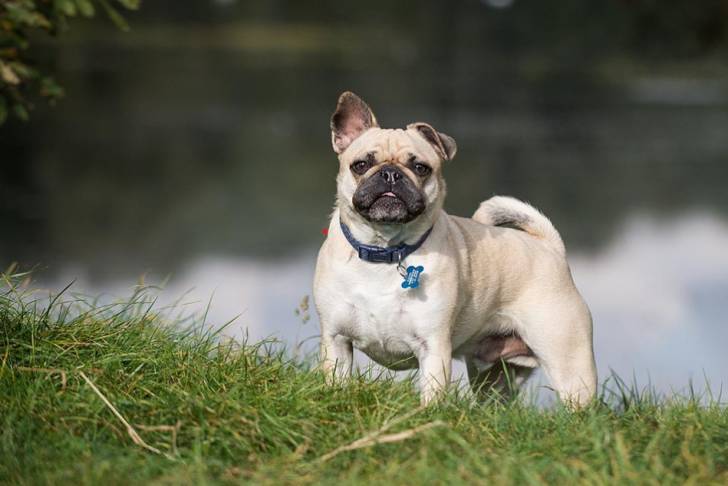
[[387, 235]]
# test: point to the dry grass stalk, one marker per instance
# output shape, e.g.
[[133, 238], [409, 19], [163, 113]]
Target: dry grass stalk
[[50, 371], [378, 436], [173, 429], [129, 429]]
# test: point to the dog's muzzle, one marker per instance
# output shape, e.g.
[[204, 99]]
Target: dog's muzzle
[[389, 196]]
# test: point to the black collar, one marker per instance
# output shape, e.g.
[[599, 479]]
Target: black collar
[[378, 254]]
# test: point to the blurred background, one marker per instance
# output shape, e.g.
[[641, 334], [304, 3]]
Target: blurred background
[[195, 150]]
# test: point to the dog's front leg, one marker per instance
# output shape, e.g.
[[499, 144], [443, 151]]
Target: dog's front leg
[[337, 356], [435, 367]]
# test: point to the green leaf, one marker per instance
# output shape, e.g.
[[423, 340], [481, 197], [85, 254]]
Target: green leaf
[[19, 13], [22, 70], [41, 20], [7, 75], [130, 4], [86, 8], [21, 112], [67, 7], [114, 15], [50, 89]]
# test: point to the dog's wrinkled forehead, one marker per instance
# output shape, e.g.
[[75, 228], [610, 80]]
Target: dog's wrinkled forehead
[[396, 146]]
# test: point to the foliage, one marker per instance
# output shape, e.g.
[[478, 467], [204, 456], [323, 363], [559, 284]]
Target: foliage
[[20, 21], [207, 412]]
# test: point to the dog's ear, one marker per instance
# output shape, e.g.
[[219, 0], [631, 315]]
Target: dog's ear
[[444, 145], [351, 118]]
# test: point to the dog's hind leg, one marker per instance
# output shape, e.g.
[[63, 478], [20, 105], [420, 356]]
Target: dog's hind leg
[[560, 336], [502, 380]]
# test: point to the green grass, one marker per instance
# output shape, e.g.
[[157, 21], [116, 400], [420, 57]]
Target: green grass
[[247, 413]]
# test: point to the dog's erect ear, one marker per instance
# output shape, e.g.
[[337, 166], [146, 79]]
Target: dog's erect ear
[[444, 145], [351, 118]]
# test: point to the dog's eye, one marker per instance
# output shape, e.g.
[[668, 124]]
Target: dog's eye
[[360, 166], [422, 170]]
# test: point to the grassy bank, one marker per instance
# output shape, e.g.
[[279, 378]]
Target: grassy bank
[[72, 373]]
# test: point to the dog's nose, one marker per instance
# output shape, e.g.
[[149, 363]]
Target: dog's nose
[[390, 174]]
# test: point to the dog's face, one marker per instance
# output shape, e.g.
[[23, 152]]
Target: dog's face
[[387, 176]]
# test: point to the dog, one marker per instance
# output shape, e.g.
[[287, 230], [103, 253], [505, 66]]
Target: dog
[[414, 287]]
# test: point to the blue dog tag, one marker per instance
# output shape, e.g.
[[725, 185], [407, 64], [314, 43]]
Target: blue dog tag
[[412, 279]]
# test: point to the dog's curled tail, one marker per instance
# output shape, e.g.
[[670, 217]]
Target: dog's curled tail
[[512, 213]]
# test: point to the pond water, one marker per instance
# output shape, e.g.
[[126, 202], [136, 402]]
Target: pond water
[[206, 158], [657, 293]]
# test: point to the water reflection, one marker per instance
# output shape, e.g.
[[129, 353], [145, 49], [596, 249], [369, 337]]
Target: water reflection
[[658, 293], [216, 151]]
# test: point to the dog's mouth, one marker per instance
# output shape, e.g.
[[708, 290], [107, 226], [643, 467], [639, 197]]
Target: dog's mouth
[[388, 207], [387, 195], [381, 201]]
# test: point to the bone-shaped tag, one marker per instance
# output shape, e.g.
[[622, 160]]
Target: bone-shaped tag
[[412, 279]]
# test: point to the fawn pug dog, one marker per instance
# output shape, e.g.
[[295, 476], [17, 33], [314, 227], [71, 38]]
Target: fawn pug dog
[[412, 286]]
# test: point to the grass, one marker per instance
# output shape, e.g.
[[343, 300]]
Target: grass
[[209, 412]]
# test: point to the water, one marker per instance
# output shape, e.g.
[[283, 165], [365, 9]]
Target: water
[[207, 158], [657, 295]]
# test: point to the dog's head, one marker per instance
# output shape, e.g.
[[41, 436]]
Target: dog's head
[[387, 176]]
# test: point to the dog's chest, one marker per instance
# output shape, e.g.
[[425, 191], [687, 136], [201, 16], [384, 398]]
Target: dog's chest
[[388, 322]]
